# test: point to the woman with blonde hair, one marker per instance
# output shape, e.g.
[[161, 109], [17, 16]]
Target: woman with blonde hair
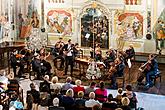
[[68, 100], [54, 84], [78, 87], [125, 103]]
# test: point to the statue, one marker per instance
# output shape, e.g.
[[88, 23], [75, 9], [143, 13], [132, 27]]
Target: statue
[[35, 20]]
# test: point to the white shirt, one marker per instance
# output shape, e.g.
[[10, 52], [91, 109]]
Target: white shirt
[[69, 49], [55, 86], [91, 102]]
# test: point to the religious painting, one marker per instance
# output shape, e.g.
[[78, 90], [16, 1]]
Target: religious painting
[[94, 29], [59, 21], [129, 25]]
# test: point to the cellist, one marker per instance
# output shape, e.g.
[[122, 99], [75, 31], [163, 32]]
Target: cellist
[[151, 69]]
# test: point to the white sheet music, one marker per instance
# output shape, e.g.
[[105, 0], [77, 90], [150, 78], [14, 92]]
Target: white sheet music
[[129, 63]]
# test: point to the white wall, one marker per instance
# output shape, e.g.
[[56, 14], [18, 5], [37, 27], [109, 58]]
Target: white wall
[[161, 6]]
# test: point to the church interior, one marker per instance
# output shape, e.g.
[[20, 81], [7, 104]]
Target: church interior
[[82, 54]]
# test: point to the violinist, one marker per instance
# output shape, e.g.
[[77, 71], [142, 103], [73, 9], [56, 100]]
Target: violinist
[[110, 57], [17, 60], [151, 69], [119, 67], [43, 52], [69, 56], [98, 53], [130, 52], [58, 52]]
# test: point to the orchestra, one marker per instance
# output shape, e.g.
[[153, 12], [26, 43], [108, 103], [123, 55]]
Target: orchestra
[[113, 63]]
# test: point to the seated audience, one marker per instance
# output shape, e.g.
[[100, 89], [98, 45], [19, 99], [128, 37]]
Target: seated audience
[[68, 100], [131, 96], [119, 96], [91, 88], [80, 101], [125, 103], [45, 101], [56, 93], [16, 103], [110, 103], [78, 87], [45, 85], [67, 85], [101, 93], [91, 102], [54, 84], [56, 105], [33, 97], [96, 107]]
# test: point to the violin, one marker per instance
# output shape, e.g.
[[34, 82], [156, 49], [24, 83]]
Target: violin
[[18, 56]]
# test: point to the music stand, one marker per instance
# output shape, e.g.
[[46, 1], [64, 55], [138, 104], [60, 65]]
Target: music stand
[[129, 66]]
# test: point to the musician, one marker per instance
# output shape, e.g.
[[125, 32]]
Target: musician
[[69, 56], [151, 69], [98, 53], [77, 50], [110, 57], [43, 52], [119, 64], [17, 60], [116, 70], [58, 52], [36, 66], [45, 66], [130, 52]]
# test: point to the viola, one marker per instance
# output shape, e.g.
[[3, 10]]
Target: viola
[[18, 55]]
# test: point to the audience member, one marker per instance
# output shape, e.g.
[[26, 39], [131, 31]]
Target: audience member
[[119, 96], [45, 85], [125, 103], [91, 88], [33, 96], [68, 100], [54, 83], [78, 87], [132, 97], [44, 101], [67, 85], [96, 107], [56, 93], [110, 103], [91, 102], [56, 105], [80, 102], [101, 92]]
